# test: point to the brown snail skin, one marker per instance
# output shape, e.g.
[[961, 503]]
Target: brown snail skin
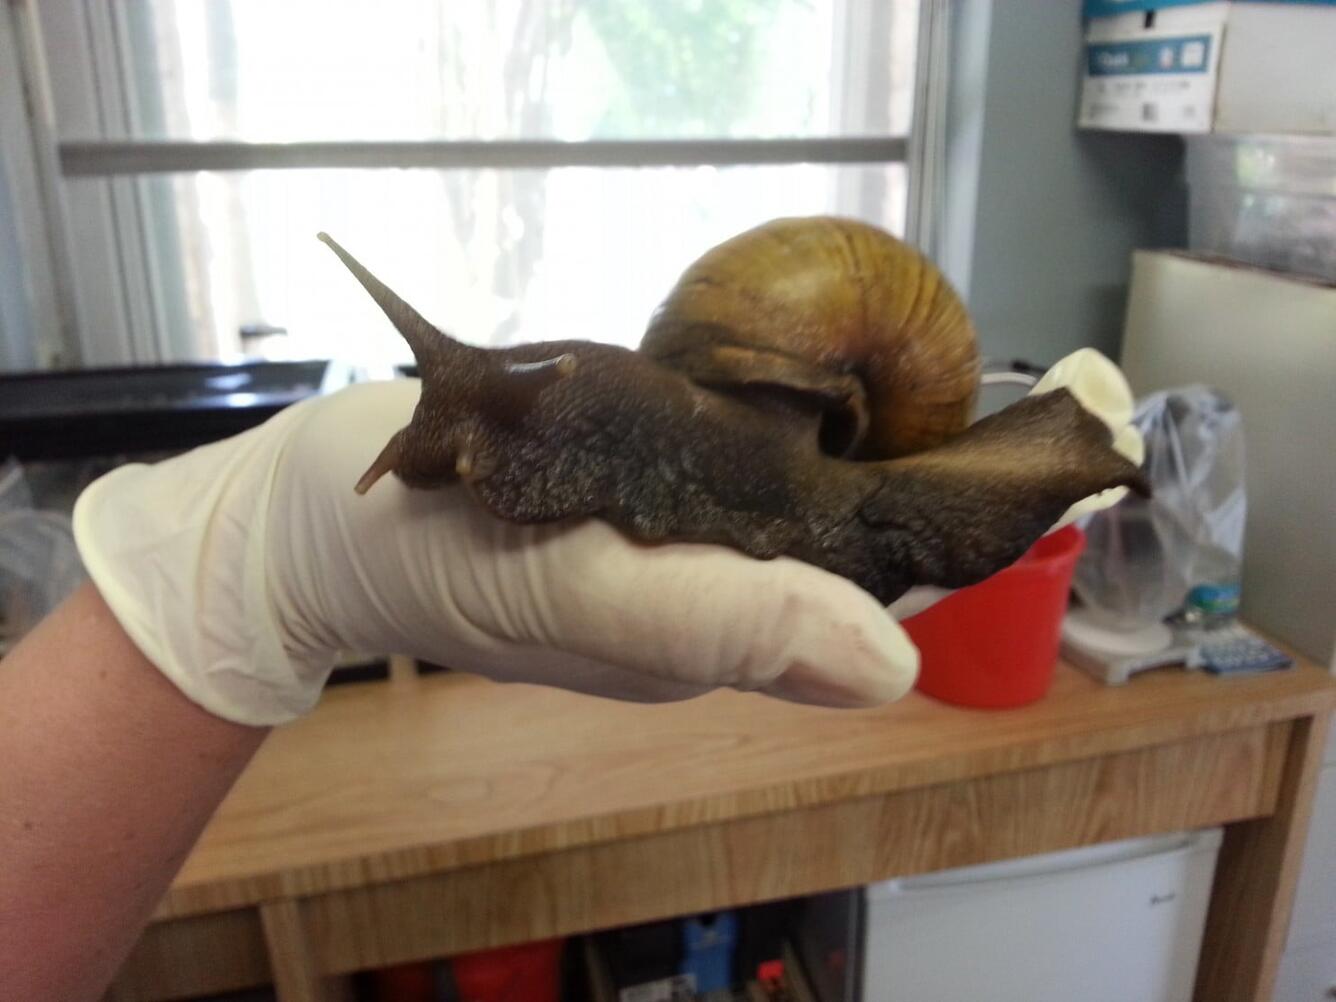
[[778, 354]]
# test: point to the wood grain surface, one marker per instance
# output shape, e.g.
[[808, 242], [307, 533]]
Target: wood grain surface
[[386, 781], [202, 954], [1205, 781], [1255, 880], [297, 977], [425, 816]]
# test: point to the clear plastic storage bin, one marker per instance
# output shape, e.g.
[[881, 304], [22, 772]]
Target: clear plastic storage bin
[[1265, 200]]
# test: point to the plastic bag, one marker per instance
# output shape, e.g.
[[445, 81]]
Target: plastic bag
[[1144, 556], [39, 563]]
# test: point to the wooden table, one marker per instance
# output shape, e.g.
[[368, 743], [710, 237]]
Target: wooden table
[[427, 816]]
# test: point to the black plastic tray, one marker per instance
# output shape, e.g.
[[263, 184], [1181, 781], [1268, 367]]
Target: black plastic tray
[[98, 412]]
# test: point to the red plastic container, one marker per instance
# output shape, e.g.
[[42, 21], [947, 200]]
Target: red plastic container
[[530, 972], [995, 644]]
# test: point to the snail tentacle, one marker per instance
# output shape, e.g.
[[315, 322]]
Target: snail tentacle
[[431, 348]]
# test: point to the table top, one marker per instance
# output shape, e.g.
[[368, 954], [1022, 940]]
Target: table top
[[388, 780]]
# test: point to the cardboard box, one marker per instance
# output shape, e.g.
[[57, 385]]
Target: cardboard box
[[1267, 341], [1196, 66]]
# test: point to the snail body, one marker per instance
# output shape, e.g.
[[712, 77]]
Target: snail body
[[732, 422]]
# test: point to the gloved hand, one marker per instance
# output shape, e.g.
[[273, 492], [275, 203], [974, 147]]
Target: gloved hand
[[243, 568], [1100, 387]]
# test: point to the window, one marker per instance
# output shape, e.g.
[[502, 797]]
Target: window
[[517, 169]]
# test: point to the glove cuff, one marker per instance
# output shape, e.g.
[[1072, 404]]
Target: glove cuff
[[178, 551]]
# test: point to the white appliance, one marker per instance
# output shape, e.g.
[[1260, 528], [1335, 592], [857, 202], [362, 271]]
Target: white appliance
[[1120, 922]]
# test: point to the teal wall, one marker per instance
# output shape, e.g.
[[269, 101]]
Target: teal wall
[[1041, 218]]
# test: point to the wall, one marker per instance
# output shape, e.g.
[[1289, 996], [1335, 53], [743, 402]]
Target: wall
[[1040, 218]]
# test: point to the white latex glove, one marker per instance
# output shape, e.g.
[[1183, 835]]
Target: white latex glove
[[1101, 388], [241, 568]]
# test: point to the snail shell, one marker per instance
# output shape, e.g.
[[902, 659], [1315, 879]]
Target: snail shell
[[778, 353], [839, 312]]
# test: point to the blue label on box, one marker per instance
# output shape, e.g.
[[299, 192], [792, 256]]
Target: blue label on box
[[1184, 54], [1112, 8]]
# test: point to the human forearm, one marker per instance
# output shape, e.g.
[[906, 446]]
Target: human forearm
[[107, 776]]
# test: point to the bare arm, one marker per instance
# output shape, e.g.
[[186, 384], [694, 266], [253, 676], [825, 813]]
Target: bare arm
[[107, 776]]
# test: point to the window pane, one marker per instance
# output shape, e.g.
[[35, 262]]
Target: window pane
[[495, 257], [559, 69]]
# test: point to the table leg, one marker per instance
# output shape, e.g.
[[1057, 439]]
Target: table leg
[[296, 978], [1255, 879]]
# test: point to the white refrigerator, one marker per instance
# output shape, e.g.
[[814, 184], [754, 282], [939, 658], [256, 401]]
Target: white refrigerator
[[1120, 922]]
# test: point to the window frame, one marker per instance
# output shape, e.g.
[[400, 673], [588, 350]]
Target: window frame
[[38, 318], [117, 309]]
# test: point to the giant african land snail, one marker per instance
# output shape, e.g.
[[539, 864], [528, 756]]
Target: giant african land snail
[[805, 389]]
